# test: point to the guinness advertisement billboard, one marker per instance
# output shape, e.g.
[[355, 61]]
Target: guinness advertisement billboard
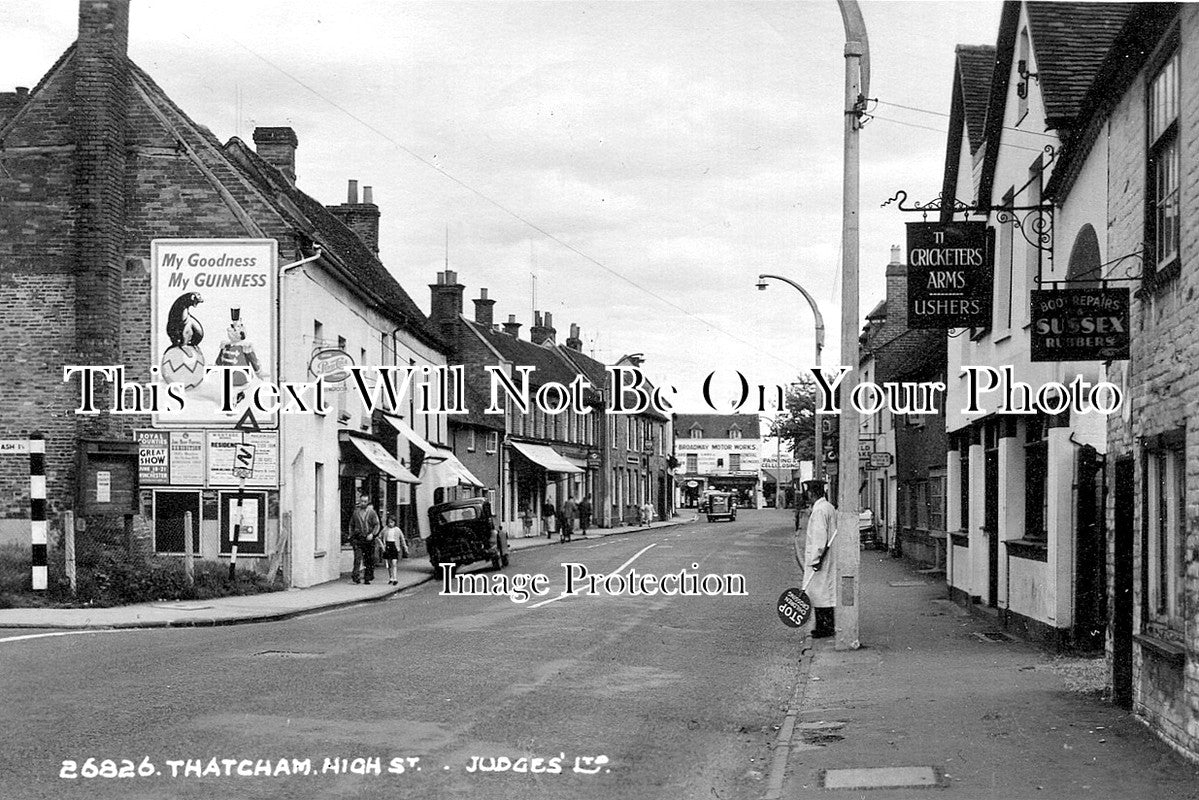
[[949, 274], [1079, 325]]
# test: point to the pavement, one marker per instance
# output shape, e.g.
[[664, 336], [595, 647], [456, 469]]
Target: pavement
[[938, 698], [262, 607]]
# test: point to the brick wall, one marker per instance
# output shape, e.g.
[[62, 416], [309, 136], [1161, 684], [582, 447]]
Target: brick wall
[[1162, 378]]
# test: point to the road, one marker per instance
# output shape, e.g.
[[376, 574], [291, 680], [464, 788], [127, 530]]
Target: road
[[585, 696]]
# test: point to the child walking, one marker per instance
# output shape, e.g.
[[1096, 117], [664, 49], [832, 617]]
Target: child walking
[[395, 546]]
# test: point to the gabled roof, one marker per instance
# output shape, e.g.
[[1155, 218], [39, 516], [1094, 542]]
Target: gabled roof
[[716, 426], [322, 226], [1069, 42], [974, 68], [1143, 30], [548, 363]]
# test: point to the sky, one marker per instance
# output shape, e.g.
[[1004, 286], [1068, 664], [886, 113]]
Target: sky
[[630, 167]]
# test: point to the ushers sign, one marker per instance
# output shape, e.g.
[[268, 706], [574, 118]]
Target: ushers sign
[[1079, 325], [949, 275]]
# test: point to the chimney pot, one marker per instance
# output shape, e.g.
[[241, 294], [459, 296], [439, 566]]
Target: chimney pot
[[22, 93], [894, 254], [482, 294], [512, 327], [368, 195], [352, 192], [484, 309]]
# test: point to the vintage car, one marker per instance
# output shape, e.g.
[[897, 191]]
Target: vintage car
[[464, 531], [721, 505]]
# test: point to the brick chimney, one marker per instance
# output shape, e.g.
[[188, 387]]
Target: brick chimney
[[360, 217], [101, 104], [446, 307], [897, 290], [277, 147], [573, 341], [512, 327], [543, 329], [484, 309]]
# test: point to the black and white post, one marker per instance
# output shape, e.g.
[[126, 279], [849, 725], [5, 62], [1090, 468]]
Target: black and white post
[[37, 508]]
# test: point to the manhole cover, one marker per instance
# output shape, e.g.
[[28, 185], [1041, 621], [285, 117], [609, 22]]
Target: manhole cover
[[879, 778], [289, 654]]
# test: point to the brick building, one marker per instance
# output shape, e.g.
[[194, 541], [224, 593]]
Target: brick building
[[1023, 489], [907, 498], [718, 451], [1142, 127], [97, 163]]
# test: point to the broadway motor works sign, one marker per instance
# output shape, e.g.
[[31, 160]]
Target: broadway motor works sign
[[1079, 325], [949, 275]]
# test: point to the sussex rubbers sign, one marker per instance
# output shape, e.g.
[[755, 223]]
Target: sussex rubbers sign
[[949, 275], [213, 306], [1079, 325]]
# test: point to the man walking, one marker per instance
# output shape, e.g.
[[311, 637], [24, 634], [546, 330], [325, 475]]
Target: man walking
[[585, 514], [364, 528], [821, 560]]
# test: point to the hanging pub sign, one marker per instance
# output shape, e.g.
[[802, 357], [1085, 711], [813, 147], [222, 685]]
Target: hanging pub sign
[[1079, 325], [949, 275]]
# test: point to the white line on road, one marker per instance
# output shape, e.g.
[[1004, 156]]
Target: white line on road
[[28, 636], [614, 572]]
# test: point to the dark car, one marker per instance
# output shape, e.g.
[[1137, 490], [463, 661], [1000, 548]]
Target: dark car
[[464, 531], [721, 505]]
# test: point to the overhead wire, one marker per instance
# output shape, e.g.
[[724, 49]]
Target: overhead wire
[[515, 215]]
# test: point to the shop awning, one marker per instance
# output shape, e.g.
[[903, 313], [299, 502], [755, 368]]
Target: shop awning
[[545, 457], [374, 453], [447, 470], [408, 432]]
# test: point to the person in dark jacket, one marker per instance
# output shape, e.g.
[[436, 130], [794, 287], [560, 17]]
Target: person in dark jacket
[[585, 515], [364, 529], [547, 518]]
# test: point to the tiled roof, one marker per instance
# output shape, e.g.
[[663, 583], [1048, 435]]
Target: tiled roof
[[716, 426], [1069, 43], [548, 363], [976, 64], [475, 403], [331, 233]]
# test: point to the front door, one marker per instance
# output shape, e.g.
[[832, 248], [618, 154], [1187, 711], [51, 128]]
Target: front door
[[991, 514], [1090, 595], [1122, 584]]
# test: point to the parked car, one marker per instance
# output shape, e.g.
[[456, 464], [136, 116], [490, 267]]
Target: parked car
[[463, 532], [721, 505]]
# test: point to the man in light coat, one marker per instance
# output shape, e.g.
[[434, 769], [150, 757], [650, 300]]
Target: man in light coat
[[820, 558]]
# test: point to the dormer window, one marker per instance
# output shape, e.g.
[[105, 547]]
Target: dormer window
[[734, 432], [697, 433]]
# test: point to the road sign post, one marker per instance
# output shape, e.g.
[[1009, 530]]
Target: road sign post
[[243, 468]]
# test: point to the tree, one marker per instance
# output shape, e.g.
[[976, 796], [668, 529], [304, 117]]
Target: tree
[[796, 424]]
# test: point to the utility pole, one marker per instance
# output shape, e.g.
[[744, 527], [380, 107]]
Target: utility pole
[[849, 556]]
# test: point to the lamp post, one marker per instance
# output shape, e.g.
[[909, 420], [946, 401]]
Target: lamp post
[[818, 455]]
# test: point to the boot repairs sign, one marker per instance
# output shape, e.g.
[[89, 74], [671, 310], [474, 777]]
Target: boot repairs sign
[[949, 275], [1079, 325]]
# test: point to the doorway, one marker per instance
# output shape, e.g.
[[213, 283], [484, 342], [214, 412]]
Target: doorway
[[1122, 582], [1090, 592], [991, 511]]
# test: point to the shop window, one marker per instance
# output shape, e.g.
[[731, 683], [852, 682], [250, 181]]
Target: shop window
[[1162, 173], [169, 508], [1165, 533], [1036, 484]]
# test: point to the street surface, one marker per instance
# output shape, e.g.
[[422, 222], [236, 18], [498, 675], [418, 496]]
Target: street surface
[[618, 696]]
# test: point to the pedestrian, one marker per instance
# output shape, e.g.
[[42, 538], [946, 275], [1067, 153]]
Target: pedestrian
[[570, 511], [395, 547], [585, 515], [547, 518], [647, 514], [821, 560], [364, 529]]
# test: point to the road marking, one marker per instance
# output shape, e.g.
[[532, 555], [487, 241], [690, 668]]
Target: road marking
[[28, 636], [636, 556]]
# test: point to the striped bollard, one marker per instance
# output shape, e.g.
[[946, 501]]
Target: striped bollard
[[37, 507]]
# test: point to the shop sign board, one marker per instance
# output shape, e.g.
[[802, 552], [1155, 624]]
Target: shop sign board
[[170, 458], [222, 451], [1080, 325], [949, 274], [880, 461], [212, 304]]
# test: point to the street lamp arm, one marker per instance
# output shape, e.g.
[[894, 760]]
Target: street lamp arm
[[811, 302], [855, 31]]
